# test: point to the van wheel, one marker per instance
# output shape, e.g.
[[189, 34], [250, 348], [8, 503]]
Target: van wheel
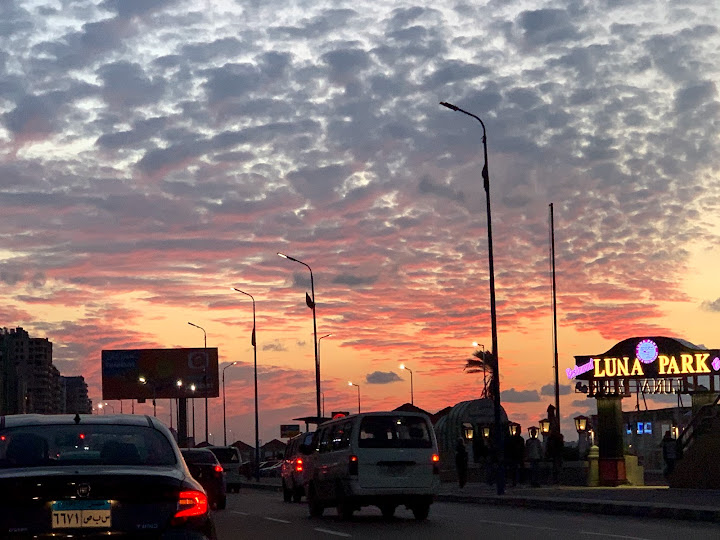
[[287, 494], [345, 509], [315, 506], [388, 510], [421, 510]]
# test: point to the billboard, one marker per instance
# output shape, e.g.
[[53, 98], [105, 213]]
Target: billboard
[[289, 430], [122, 371]]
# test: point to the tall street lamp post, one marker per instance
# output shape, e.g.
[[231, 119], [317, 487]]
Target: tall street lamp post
[[311, 304], [495, 383], [253, 341], [350, 383], [224, 417], [192, 400], [322, 393], [412, 400], [205, 381]]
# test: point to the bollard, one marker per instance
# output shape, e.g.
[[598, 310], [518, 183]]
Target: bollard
[[593, 479]]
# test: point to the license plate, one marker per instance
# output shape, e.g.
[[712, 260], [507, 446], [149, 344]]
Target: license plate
[[81, 514], [395, 470]]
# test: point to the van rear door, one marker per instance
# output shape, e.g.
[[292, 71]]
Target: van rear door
[[395, 451]]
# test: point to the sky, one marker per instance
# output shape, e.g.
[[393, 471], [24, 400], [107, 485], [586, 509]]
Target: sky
[[156, 153]]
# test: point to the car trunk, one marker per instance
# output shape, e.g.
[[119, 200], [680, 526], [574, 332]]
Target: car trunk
[[403, 468], [88, 498]]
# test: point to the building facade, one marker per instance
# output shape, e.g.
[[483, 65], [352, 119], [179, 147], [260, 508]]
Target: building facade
[[75, 395]]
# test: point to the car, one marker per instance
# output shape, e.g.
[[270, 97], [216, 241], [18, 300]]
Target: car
[[292, 468], [206, 469], [81, 476], [231, 460], [383, 459]]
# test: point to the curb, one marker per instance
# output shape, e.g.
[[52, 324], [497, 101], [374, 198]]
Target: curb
[[567, 504]]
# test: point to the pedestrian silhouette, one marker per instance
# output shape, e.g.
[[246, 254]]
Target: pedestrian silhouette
[[461, 462]]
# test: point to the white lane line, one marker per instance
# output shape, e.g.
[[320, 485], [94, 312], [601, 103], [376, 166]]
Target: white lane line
[[521, 525], [334, 533], [277, 520], [606, 535], [238, 512]]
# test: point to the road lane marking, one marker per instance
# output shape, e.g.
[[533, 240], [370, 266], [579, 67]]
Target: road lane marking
[[334, 533], [607, 535], [521, 525], [277, 520], [238, 512]]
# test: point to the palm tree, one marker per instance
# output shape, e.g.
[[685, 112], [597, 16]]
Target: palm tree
[[482, 362]]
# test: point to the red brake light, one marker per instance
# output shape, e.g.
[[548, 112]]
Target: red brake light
[[299, 465], [218, 468], [192, 503], [435, 458], [82, 435], [353, 466]]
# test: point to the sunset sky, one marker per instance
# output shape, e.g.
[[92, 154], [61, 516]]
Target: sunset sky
[[156, 153]]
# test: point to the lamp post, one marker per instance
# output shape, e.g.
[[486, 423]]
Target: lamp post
[[224, 418], [495, 383], [311, 304], [581, 426], [350, 383], [143, 380], [322, 393], [205, 381], [253, 341], [412, 399], [192, 399]]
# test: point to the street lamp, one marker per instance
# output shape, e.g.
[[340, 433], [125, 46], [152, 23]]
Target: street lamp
[[581, 425], [350, 383], [143, 380], [322, 393], [515, 428], [311, 304], [545, 426], [412, 400], [205, 380], [493, 316], [224, 418], [253, 341]]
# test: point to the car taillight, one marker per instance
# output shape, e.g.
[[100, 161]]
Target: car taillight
[[436, 463], [353, 466], [299, 465], [191, 503], [218, 468]]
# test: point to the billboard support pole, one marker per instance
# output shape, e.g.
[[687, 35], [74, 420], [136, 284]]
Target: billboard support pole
[[182, 423]]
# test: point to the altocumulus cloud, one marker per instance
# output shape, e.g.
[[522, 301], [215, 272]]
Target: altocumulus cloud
[[382, 377], [520, 396], [549, 390], [713, 305]]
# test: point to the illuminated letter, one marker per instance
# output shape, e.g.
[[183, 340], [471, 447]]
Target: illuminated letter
[[622, 367], [664, 361], [701, 362], [687, 363], [598, 371], [673, 367], [613, 363], [637, 369]]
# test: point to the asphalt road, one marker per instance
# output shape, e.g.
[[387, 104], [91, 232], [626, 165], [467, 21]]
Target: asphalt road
[[263, 515]]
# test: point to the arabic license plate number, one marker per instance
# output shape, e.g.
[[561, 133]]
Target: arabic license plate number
[[81, 515]]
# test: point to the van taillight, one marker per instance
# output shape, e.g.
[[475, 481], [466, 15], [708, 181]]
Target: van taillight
[[299, 465], [191, 503], [353, 466], [218, 468], [436, 464]]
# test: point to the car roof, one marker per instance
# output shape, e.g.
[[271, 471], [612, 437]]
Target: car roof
[[374, 413], [195, 451], [16, 420]]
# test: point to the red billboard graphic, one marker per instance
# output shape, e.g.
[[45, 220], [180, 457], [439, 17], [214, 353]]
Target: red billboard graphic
[[154, 373]]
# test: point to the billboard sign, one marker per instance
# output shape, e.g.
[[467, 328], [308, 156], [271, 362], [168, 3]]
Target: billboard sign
[[123, 370], [289, 430]]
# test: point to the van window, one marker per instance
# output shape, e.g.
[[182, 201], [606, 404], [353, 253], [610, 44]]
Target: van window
[[326, 440], [341, 436], [225, 455], [394, 432]]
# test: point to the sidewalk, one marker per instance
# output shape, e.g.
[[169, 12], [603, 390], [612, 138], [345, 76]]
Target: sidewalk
[[644, 501]]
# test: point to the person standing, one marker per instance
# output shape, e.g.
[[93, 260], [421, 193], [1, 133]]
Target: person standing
[[669, 449], [515, 455], [461, 462], [534, 455]]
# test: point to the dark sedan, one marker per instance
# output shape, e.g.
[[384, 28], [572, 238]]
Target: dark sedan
[[118, 476], [206, 469]]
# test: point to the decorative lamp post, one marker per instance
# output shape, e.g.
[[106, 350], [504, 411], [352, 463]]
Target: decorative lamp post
[[253, 342], [545, 426], [514, 428], [311, 304], [350, 383], [205, 381], [486, 431], [468, 431], [495, 382], [412, 399], [533, 432], [581, 425], [224, 417]]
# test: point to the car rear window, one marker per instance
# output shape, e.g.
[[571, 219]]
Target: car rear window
[[87, 444], [225, 455], [394, 432], [199, 456]]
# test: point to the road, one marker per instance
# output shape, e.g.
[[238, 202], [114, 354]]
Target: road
[[262, 515]]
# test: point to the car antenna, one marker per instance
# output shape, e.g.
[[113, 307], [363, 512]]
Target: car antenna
[[77, 418]]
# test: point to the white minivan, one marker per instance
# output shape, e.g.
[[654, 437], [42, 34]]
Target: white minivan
[[382, 459]]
